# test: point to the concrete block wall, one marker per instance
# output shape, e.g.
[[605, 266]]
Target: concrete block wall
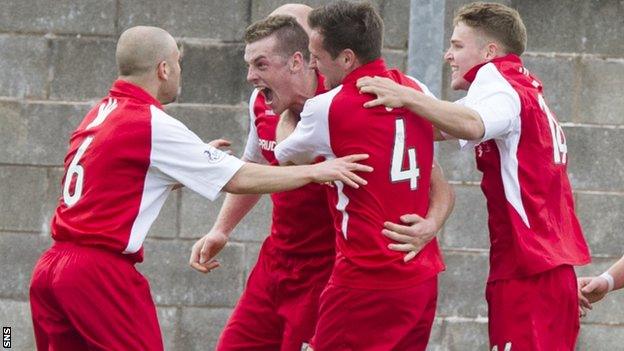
[[58, 60], [575, 48]]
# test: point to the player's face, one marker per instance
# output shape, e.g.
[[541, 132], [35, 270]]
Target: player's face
[[468, 49], [321, 59], [268, 70]]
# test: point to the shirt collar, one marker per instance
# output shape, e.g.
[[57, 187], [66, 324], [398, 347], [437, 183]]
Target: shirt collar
[[122, 88], [368, 69], [472, 73], [320, 84]]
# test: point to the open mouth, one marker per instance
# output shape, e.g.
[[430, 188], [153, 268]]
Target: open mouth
[[268, 95]]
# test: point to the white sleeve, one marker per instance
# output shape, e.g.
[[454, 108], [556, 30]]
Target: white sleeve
[[310, 138], [496, 101], [252, 148], [182, 156]]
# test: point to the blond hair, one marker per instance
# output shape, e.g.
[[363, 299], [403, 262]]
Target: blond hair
[[497, 21]]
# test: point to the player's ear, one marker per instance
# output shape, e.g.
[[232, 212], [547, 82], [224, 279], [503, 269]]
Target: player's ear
[[163, 70], [492, 50], [347, 58], [296, 62]]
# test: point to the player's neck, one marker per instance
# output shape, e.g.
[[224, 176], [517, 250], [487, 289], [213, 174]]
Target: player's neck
[[305, 90], [143, 83]]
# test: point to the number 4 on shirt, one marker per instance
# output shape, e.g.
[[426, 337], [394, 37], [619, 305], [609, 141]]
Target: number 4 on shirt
[[397, 173]]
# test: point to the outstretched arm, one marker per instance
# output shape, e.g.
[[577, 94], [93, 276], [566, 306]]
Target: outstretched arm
[[254, 179], [416, 232], [456, 120]]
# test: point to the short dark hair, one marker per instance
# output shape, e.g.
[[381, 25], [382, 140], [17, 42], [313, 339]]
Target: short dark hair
[[497, 21], [291, 37], [348, 25]]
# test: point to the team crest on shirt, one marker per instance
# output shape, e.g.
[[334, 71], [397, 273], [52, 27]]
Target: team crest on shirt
[[214, 155]]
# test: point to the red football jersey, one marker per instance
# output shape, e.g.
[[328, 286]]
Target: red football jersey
[[123, 160], [400, 145], [302, 222], [523, 157]]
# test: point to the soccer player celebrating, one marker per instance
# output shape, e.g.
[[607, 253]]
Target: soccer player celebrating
[[374, 299], [123, 160], [278, 309], [535, 235]]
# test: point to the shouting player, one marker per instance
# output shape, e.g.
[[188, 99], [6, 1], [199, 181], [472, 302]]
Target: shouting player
[[279, 307]]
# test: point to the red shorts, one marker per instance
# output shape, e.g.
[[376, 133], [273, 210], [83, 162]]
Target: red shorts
[[279, 307], [538, 313], [85, 298], [376, 320]]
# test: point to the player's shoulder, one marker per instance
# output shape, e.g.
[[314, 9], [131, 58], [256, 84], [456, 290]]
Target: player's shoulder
[[410, 81], [321, 103], [162, 120], [491, 79]]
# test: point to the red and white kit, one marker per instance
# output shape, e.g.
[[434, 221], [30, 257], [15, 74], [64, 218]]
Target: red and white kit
[[279, 307], [123, 160], [400, 297], [533, 227]]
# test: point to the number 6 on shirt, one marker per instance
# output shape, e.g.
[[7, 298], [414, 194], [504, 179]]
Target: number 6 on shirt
[[76, 169], [397, 173]]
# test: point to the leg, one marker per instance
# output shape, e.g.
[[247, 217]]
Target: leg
[[254, 324], [53, 331], [361, 319], [535, 313], [298, 301], [104, 299]]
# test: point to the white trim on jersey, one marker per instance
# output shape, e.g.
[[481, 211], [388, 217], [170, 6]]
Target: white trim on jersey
[[310, 138], [498, 104], [177, 156], [252, 151], [343, 201], [156, 188]]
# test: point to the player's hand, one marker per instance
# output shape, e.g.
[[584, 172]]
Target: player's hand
[[221, 144], [341, 169], [593, 289], [388, 92], [584, 304], [204, 251], [413, 236]]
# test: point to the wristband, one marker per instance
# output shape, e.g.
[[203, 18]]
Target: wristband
[[609, 278]]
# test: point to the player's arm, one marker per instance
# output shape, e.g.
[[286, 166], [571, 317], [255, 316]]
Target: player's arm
[[416, 232], [488, 114], [255, 179], [310, 137], [593, 289], [235, 207]]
